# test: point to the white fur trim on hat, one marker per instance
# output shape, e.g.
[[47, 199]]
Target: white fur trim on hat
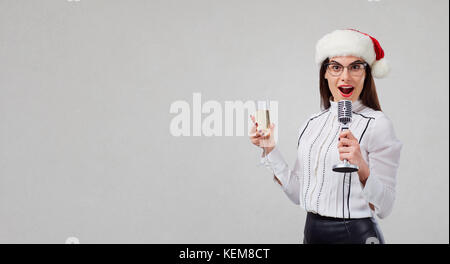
[[380, 68]]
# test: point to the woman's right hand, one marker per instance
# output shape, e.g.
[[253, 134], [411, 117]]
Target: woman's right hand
[[260, 139]]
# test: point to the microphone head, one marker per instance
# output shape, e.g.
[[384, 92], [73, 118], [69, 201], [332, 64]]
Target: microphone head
[[345, 111]]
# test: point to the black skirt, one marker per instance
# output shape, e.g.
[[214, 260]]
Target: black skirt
[[328, 230]]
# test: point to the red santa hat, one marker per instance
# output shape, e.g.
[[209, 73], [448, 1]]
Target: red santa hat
[[351, 42]]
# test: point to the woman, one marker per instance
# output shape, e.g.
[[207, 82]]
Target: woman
[[341, 206]]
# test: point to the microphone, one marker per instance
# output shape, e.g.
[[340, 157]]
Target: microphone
[[345, 117], [345, 112]]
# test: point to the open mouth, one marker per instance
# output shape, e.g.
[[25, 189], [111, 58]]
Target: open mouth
[[346, 91]]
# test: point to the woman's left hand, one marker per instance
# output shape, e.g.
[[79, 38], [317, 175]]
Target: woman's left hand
[[349, 148]]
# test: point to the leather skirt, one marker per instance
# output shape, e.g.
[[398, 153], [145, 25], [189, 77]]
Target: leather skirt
[[328, 230]]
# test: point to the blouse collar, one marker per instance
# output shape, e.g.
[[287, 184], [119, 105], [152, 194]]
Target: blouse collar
[[357, 106]]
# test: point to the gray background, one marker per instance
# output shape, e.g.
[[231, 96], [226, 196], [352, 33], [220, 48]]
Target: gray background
[[85, 147]]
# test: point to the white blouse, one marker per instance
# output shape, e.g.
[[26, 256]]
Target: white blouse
[[317, 188]]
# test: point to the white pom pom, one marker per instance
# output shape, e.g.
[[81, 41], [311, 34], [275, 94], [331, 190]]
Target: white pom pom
[[380, 68]]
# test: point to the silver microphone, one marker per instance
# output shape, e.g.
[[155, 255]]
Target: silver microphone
[[345, 117], [345, 112]]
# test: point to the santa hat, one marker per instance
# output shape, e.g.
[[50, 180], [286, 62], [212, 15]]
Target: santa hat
[[351, 42]]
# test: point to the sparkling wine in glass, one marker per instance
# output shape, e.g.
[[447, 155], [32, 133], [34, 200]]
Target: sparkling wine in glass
[[262, 117]]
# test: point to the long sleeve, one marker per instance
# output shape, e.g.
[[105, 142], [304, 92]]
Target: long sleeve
[[313, 184], [384, 156], [289, 178]]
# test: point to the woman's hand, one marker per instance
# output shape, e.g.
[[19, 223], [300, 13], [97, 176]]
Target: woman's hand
[[350, 150], [260, 139]]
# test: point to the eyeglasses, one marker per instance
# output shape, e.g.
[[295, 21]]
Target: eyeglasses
[[355, 69]]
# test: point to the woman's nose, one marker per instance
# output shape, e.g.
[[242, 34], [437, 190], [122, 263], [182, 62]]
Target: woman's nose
[[345, 75]]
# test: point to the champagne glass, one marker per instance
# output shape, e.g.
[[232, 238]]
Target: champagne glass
[[262, 117]]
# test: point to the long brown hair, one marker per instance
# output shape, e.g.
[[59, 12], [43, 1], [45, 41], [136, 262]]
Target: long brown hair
[[368, 94]]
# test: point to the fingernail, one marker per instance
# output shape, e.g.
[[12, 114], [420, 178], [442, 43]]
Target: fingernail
[[256, 123]]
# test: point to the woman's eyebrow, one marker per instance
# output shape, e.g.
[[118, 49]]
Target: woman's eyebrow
[[356, 61], [333, 61]]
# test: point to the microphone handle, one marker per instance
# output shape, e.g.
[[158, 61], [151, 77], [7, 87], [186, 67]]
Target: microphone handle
[[345, 127]]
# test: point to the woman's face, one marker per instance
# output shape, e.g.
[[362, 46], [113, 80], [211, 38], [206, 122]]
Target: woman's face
[[345, 83]]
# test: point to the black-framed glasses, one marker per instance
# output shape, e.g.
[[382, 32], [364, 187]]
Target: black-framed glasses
[[355, 69]]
